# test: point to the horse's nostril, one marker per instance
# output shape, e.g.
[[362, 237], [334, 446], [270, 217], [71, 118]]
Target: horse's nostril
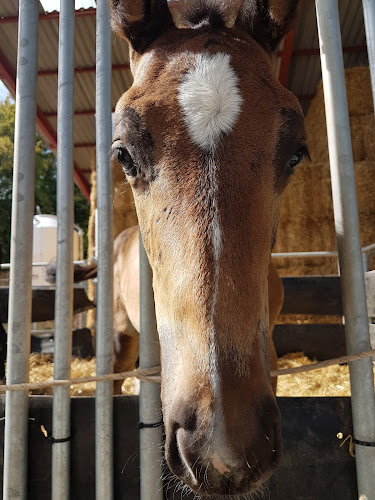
[[178, 456]]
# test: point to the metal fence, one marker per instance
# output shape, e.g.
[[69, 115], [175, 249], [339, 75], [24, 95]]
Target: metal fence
[[346, 220]]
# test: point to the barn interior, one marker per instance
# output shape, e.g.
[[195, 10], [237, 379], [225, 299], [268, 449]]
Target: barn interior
[[317, 431], [306, 222]]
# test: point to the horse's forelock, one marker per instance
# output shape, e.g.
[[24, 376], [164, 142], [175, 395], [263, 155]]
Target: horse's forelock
[[213, 14]]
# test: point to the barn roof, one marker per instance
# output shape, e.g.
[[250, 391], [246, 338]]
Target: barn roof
[[298, 67]]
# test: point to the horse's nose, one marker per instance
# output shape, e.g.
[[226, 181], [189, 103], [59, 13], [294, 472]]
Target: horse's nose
[[233, 457]]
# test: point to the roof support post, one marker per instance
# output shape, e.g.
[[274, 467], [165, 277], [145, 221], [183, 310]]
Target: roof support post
[[64, 269], [369, 17], [104, 321], [150, 437], [17, 403], [348, 243]]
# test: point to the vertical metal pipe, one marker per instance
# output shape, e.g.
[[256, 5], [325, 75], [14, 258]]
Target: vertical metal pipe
[[347, 231], [64, 265], [19, 320], [369, 17], [150, 416], [104, 328]]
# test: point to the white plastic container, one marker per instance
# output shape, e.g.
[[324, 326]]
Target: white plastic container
[[45, 245]]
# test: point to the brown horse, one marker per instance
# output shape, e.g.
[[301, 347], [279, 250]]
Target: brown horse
[[208, 139]]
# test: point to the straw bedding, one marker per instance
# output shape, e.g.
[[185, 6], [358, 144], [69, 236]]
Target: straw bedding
[[331, 381], [41, 369]]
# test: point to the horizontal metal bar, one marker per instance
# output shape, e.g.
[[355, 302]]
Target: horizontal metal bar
[[368, 248], [37, 264], [84, 69], [280, 255]]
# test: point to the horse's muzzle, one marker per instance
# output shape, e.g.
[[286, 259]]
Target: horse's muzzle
[[233, 459]]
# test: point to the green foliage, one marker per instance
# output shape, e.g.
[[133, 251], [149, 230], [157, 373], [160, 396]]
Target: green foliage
[[45, 181]]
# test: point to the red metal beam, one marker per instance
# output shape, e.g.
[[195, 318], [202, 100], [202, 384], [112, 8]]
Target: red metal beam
[[82, 112], [84, 145], [8, 74], [286, 57], [50, 15], [86, 69]]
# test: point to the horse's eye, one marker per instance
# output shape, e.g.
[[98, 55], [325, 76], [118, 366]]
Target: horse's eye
[[125, 159], [297, 158]]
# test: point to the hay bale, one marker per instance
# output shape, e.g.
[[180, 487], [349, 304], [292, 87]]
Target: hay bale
[[358, 88], [306, 217], [361, 113]]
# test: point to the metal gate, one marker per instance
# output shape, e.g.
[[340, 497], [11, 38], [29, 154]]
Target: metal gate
[[346, 220]]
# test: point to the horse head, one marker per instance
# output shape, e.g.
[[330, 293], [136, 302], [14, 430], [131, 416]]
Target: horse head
[[208, 139]]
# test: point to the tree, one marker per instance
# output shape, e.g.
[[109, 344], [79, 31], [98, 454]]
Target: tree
[[45, 181]]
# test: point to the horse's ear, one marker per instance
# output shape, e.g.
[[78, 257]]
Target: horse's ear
[[268, 21], [140, 22]]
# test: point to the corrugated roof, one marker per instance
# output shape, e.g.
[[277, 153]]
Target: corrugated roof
[[303, 65], [305, 70], [84, 61]]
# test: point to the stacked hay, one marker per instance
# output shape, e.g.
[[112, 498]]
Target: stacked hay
[[306, 220]]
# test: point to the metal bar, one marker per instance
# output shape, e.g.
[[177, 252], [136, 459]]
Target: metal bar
[[104, 324], [280, 255], [348, 243], [64, 261], [16, 406], [150, 438], [369, 18], [368, 247], [43, 264]]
